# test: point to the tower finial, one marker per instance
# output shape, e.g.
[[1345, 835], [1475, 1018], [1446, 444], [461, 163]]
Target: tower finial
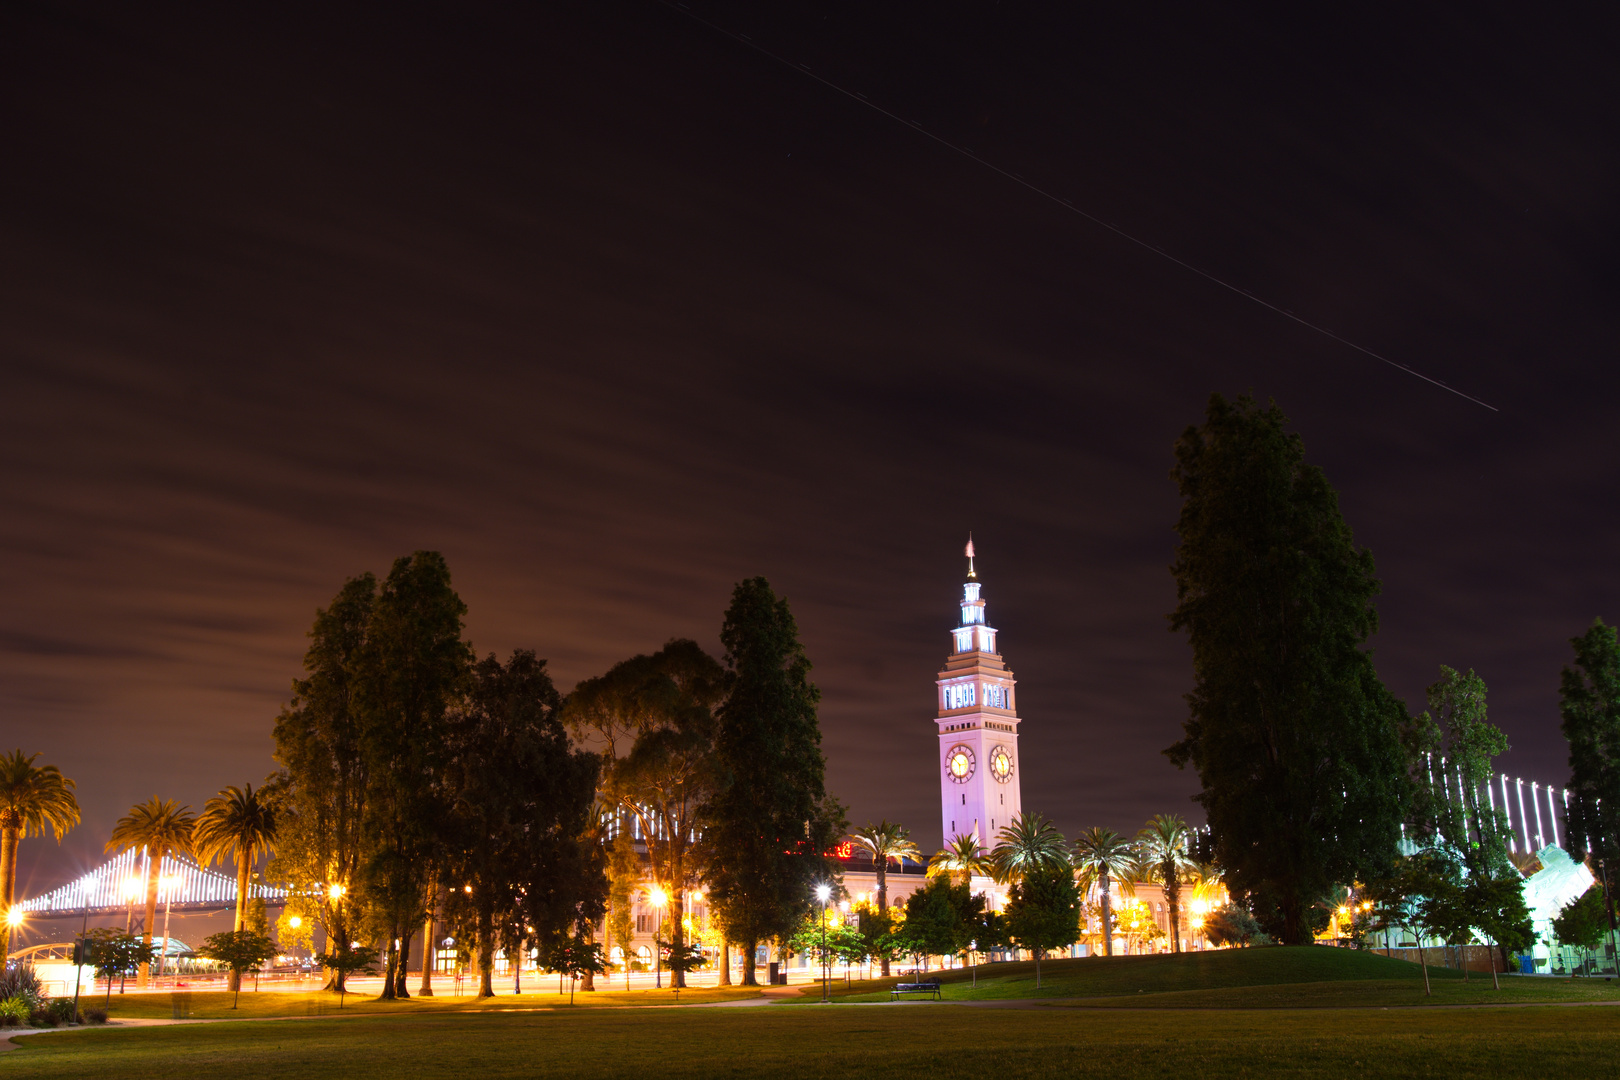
[[969, 554]]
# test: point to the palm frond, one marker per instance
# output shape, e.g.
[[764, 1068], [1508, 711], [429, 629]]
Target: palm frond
[[234, 822], [34, 799], [1028, 844], [886, 840], [960, 855]]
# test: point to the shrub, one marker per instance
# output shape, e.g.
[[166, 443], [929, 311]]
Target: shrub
[[1233, 925], [13, 1011], [20, 980], [42, 1018], [62, 1009], [95, 1016]]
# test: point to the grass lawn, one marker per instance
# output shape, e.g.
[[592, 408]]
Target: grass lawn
[[854, 1041], [1299, 977], [1255, 1012]]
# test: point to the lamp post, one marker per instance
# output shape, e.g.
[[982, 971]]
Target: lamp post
[[658, 898], [824, 893], [168, 885], [78, 953], [132, 889]]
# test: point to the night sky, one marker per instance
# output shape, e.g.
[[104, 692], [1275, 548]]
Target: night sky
[[615, 311]]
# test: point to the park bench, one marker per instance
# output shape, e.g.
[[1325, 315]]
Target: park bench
[[929, 987]]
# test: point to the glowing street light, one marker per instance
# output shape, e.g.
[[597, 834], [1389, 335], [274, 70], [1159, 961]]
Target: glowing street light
[[167, 886], [14, 916], [657, 896]]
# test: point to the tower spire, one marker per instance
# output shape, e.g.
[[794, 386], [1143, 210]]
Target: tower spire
[[969, 554]]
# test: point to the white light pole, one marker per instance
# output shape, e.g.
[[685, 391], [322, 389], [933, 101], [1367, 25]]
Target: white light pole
[[658, 897], [168, 885], [824, 893], [1524, 820]]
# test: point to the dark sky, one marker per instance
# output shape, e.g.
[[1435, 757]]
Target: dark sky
[[615, 311]]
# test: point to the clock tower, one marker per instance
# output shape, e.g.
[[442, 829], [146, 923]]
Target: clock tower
[[978, 728]]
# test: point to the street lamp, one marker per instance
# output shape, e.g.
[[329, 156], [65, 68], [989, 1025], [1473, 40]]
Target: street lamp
[[657, 897], [168, 885], [132, 889], [824, 893]]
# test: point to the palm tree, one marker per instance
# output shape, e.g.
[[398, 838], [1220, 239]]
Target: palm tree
[[1163, 841], [162, 828], [885, 841], [1028, 844], [961, 856], [241, 824], [1103, 856], [32, 800]]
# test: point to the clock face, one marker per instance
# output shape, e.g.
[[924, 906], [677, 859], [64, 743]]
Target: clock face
[[1001, 766], [959, 764]]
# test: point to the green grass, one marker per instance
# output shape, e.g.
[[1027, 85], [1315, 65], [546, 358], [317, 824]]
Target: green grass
[[216, 1005], [1300, 977], [1270, 1012], [941, 1042]]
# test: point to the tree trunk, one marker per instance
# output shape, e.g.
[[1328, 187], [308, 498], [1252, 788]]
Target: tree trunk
[[390, 967], [243, 867], [725, 963], [1293, 922], [1423, 962], [1172, 896], [1108, 919], [155, 866], [486, 953], [883, 907], [677, 932], [401, 990], [9, 838], [750, 963], [429, 948]]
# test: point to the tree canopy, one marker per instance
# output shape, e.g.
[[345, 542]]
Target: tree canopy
[[1589, 703], [1295, 740], [770, 821], [1043, 912], [652, 719]]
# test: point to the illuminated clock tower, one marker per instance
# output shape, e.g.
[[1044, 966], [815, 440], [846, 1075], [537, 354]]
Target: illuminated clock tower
[[978, 728]]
